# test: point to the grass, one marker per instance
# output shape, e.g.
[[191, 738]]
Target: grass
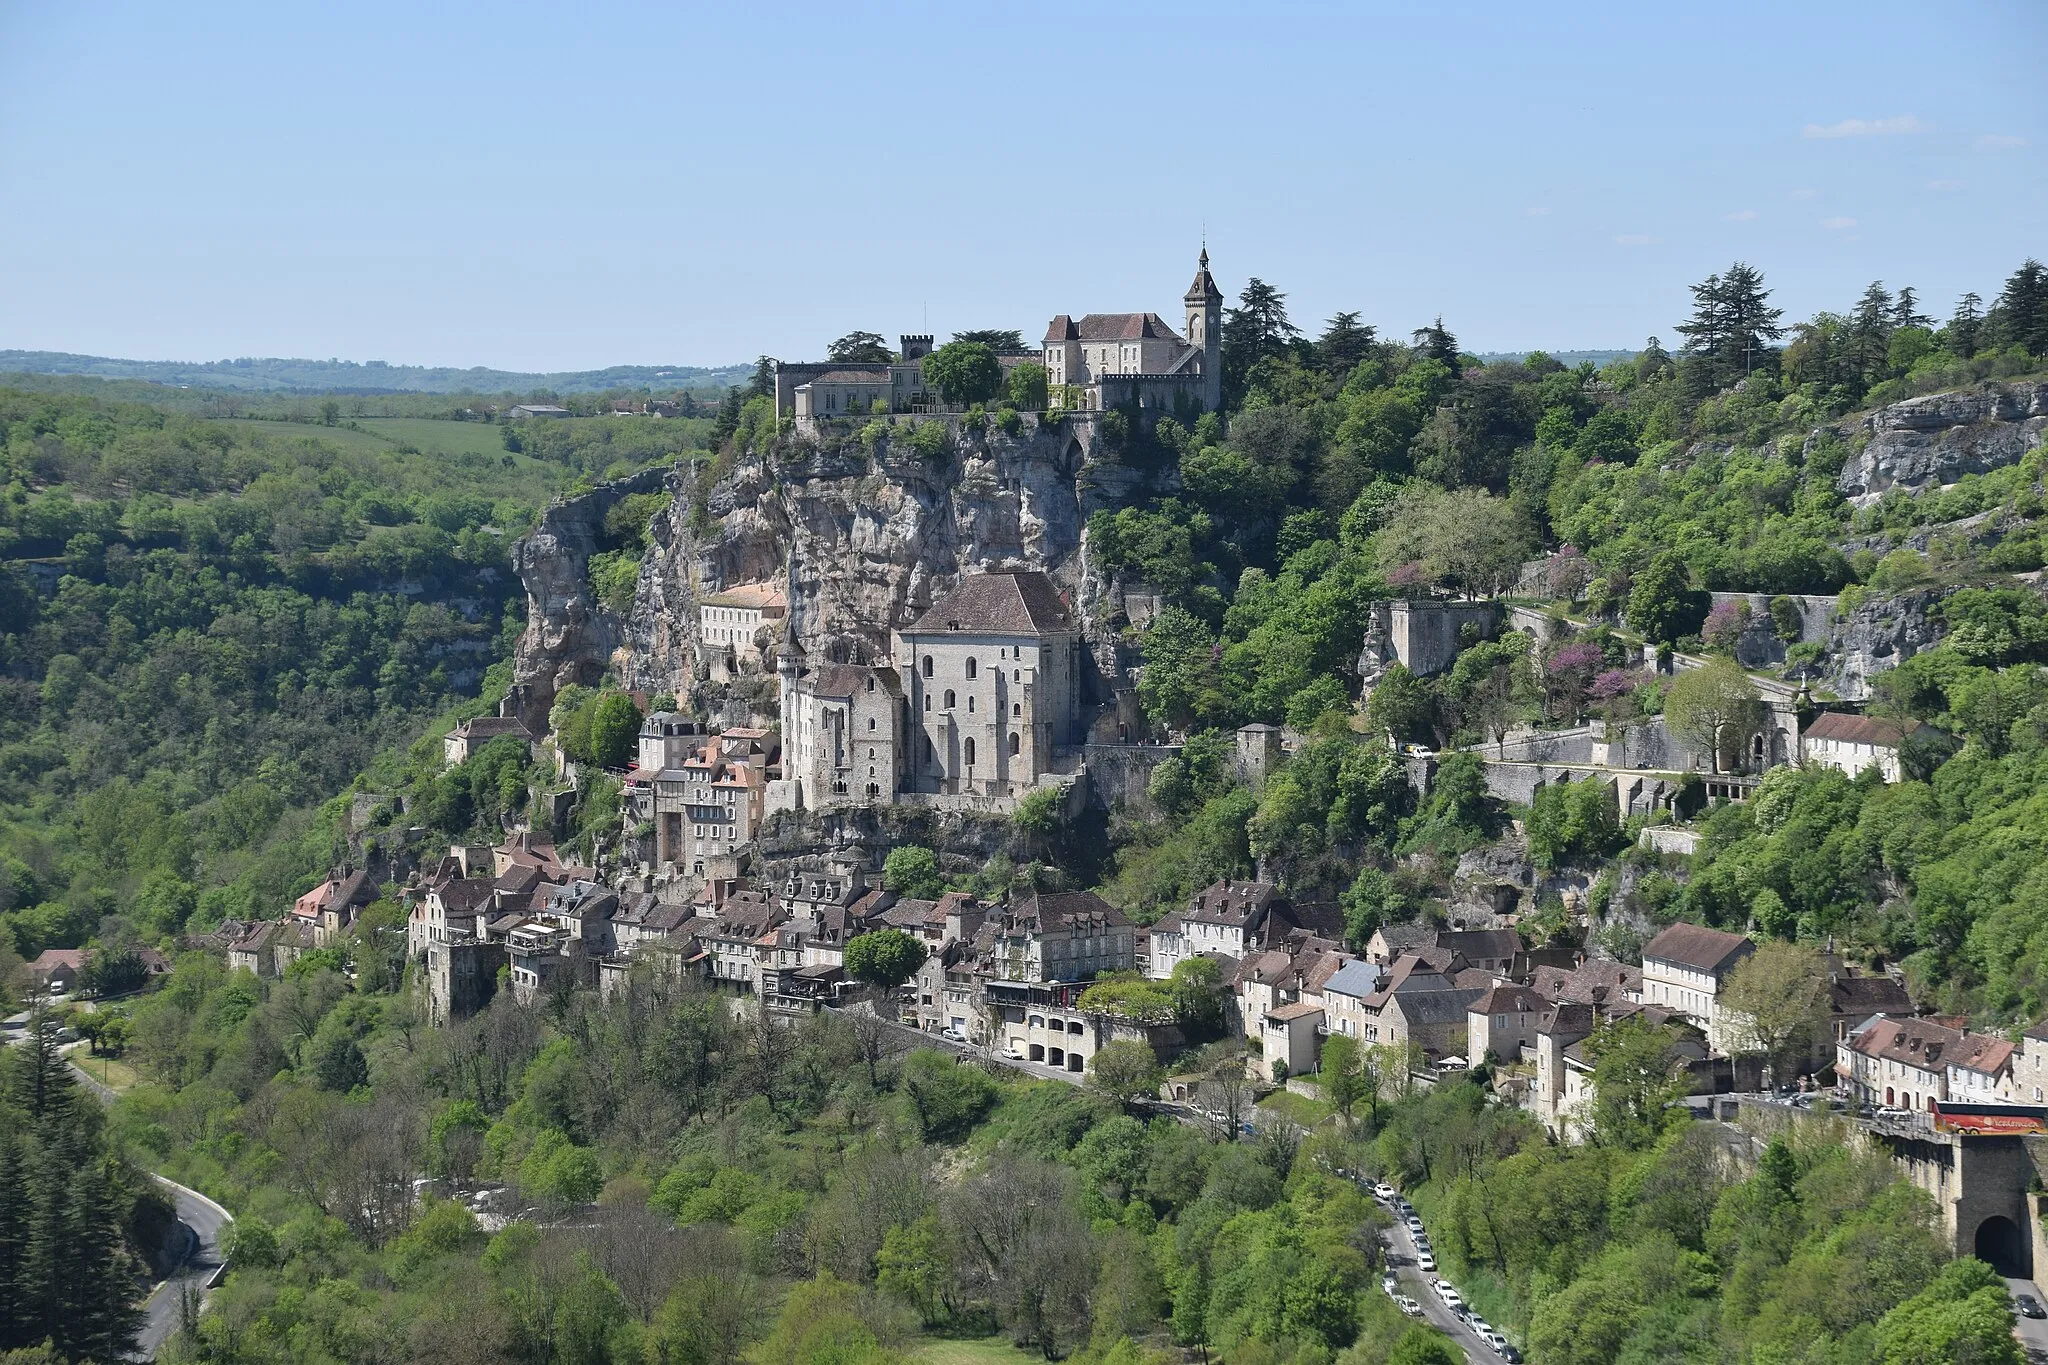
[[341, 436], [431, 437], [115, 1075], [986, 1351], [1297, 1109]]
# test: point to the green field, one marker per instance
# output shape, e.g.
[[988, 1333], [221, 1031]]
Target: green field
[[986, 1351], [431, 437], [301, 431]]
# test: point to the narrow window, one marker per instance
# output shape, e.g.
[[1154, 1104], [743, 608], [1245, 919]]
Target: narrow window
[[1016, 743], [967, 752], [927, 665], [970, 668], [949, 699]]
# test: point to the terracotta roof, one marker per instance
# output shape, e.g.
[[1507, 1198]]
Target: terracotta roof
[[1003, 602], [1844, 728], [51, 958], [464, 895], [1984, 1053], [877, 375], [1911, 1042], [1567, 1019], [748, 596], [1695, 945]]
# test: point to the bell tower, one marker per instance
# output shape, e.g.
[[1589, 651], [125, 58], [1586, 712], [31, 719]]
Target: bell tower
[[1205, 330]]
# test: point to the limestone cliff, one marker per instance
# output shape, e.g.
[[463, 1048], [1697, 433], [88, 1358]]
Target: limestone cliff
[[864, 535], [1926, 442]]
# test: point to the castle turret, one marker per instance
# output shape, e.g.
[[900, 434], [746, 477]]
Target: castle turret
[[1205, 330]]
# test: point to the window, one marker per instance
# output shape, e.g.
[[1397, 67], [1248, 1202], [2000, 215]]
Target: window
[[871, 724], [927, 701], [967, 751], [1016, 708], [1016, 743], [970, 668], [871, 687], [927, 665], [1016, 675], [970, 701], [949, 699]]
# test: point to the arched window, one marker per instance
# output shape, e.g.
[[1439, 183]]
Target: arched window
[[871, 687], [1016, 743], [949, 699], [1016, 708], [967, 752], [970, 701], [927, 665], [970, 668], [1016, 675], [927, 701]]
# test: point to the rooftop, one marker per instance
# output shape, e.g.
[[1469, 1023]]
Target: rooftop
[[1002, 602], [1844, 728], [1696, 946]]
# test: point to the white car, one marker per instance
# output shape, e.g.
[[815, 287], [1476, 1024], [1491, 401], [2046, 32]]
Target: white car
[[1425, 1261], [1408, 1306], [1453, 1300], [1385, 1193], [1391, 1285], [1494, 1339]]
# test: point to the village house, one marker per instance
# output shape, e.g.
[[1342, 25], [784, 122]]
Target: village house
[[331, 907], [56, 969], [1900, 1063], [1345, 994], [2030, 1066], [1500, 1023], [713, 802], [1980, 1070], [1850, 743], [1685, 969], [250, 951], [461, 743]]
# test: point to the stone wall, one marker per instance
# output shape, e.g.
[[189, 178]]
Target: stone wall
[[1118, 775]]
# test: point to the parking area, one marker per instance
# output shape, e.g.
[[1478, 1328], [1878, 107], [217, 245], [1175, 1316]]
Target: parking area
[[1405, 1258]]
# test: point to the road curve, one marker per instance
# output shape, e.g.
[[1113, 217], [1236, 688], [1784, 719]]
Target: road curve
[[206, 1224]]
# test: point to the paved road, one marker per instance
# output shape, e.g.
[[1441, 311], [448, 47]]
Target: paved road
[[2032, 1332], [163, 1311], [1415, 1284]]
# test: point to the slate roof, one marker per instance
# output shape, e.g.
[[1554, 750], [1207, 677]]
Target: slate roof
[[463, 895], [490, 727], [1508, 999], [1477, 944], [1111, 327], [1004, 602], [1434, 1007], [878, 374], [1049, 912], [1860, 996], [838, 680], [1844, 728], [1695, 945], [1234, 903], [1354, 978]]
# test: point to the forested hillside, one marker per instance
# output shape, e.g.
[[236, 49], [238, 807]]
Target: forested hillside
[[211, 628]]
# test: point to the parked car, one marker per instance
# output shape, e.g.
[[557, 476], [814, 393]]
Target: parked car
[[1408, 1306], [1509, 1353], [1893, 1114], [1385, 1193], [1391, 1284], [1426, 1260], [1448, 1292], [2029, 1306]]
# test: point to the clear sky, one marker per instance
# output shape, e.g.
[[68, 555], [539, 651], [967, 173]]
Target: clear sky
[[572, 186]]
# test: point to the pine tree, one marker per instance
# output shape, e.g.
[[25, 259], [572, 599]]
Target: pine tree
[[1966, 326], [1257, 328], [1344, 342], [100, 1318], [1870, 333], [1436, 343], [14, 1208], [2020, 317], [1752, 323], [1906, 311]]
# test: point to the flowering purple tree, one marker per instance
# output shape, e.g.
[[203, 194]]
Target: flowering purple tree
[[1613, 692], [1407, 577], [1725, 624], [1567, 670]]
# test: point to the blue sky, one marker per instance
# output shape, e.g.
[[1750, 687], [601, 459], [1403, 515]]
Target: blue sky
[[575, 186]]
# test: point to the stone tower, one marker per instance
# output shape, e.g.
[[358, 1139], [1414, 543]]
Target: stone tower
[[1205, 331]]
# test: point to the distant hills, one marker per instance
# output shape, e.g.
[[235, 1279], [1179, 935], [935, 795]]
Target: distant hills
[[1571, 360], [272, 375]]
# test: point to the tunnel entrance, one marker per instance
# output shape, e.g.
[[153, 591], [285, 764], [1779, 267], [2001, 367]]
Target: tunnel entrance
[[2003, 1245]]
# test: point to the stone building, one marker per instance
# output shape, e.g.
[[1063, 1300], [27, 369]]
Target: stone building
[[730, 620], [993, 677], [837, 388], [465, 739], [712, 803], [1684, 970], [982, 690], [1110, 360], [1849, 744]]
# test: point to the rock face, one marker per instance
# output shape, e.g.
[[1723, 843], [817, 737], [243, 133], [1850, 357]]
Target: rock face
[[862, 536], [1925, 442], [570, 636], [1881, 630]]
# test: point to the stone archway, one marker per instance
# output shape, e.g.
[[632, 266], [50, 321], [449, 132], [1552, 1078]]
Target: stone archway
[[2003, 1245]]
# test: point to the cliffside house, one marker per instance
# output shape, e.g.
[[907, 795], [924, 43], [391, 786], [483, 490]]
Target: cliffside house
[[1500, 1023], [1850, 743], [712, 802], [1685, 968], [729, 620], [465, 739], [330, 908]]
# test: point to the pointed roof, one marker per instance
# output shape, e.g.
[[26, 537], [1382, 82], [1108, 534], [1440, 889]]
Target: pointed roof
[[1002, 602], [1204, 289]]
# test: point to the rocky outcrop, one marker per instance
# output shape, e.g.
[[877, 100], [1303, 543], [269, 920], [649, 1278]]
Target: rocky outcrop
[[1926, 442], [570, 636], [1874, 635], [863, 535]]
